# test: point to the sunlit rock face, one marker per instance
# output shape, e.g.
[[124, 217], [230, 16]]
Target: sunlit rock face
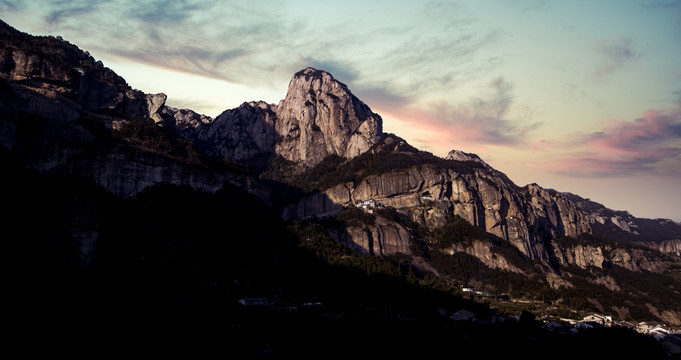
[[321, 117]]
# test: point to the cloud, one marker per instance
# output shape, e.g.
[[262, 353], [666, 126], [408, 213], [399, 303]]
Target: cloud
[[167, 11], [484, 120], [191, 36], [380, 98], [650, 144], [341, 70], [65, 9], [616, 54], [481, 122], [423, 48], [11, 5]]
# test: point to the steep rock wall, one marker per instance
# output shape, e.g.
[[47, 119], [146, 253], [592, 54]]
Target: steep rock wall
[[525, 217]]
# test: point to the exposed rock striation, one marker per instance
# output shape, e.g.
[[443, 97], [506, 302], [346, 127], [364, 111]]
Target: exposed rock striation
[[321, 117], [669, 246], [527, 217]]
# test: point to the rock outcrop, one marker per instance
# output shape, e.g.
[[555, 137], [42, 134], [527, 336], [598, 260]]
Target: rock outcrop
[[321, 117], [125, 172], [184, 121], [239, 134], [667, 247], [459, 155]]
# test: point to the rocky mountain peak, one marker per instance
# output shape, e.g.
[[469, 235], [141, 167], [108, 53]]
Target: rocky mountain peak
[[321, 117], [318, 117], [464, 156]]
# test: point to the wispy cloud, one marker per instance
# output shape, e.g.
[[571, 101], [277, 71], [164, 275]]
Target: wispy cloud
[[342, 70], [484, 120], [62, 10], [474, 125], [11, 5], [192, 36], [431, 46], [616, 54]]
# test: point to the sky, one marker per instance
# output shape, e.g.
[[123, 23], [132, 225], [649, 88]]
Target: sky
[[581, 96]]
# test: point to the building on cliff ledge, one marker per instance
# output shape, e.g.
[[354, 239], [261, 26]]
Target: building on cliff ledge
[[368, 205]]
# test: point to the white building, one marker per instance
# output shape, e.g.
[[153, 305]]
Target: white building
[[367, 204]]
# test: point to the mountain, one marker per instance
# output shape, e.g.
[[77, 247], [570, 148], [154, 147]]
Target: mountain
[[200, 206], [319, 117]]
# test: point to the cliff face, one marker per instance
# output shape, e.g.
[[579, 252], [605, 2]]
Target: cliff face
[[526, 217], [669, 246], [321, 117], [600, 256]]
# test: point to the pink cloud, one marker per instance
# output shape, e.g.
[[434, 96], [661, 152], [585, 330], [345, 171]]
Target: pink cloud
[[471, 126], [649, 144], [598, 165]]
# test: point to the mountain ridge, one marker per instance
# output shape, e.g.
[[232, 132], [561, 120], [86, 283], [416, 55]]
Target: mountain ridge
[[64, 113]]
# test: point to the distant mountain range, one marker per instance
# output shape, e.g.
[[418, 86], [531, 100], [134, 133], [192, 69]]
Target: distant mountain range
[[320, 160]]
